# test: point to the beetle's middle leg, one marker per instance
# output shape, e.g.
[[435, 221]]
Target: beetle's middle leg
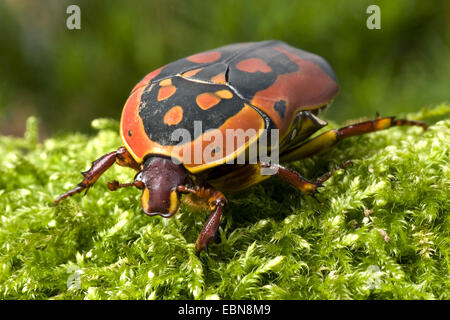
[[330, 138], [216, 201], [122, 157], [299, 182]]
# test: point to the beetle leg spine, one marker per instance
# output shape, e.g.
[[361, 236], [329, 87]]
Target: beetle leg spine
[[98, 167], [216, 201]]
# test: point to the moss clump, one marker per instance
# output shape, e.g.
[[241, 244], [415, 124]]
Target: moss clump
[[380, 230]]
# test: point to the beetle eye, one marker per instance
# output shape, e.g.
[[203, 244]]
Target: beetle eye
[[138, 177]]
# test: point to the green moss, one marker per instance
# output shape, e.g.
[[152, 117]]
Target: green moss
[[380, 230]]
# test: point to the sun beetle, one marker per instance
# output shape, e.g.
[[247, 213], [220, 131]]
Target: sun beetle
[[250, 87]]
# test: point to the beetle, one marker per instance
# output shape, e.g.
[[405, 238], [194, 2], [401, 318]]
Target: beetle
[[252, 87]]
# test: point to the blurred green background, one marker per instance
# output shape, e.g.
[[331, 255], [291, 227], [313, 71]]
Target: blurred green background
[[69, 77]]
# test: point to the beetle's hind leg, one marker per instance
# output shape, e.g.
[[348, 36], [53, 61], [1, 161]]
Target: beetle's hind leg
[[330, 138], [121, 157]]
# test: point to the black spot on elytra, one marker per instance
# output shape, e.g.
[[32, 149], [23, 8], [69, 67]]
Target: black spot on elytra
[[280, 107], [129, 133]]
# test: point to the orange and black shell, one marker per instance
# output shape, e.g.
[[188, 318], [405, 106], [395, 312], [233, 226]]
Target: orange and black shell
[[255, 85]]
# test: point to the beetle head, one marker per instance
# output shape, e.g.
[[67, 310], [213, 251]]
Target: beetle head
[[159, 179]]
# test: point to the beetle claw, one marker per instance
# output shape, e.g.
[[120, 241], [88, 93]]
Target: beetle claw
[[198, 251], [345, 164], [315, 198], [86, 191], [113, 185]]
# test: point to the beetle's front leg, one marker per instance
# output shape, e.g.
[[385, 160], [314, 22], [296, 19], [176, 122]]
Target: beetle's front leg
[[216, 201], [121, 157]]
